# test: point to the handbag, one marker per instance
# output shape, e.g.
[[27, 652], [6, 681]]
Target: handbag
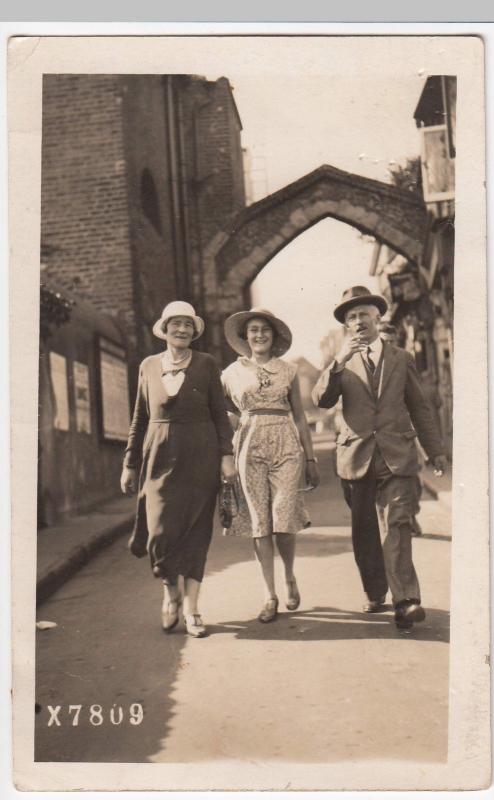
[[227, 504]]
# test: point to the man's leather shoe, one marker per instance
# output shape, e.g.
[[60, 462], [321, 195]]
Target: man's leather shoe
[[407, 612], [403, 624], [413, 612], [374, 606], [400, 620]]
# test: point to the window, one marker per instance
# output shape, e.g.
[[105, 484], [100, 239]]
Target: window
[[149, 200]]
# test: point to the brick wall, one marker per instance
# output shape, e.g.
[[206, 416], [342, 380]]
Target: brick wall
[[160, 278], [219, 159], [84, 213], [210, 127], [101, 135]]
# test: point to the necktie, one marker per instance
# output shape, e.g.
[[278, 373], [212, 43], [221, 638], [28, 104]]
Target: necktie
[[370, 362]]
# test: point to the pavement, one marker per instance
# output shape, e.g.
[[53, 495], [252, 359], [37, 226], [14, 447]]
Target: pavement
[[323, 684], [65, 548]]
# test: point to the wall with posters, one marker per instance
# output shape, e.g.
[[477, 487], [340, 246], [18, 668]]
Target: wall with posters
[[85, 384]]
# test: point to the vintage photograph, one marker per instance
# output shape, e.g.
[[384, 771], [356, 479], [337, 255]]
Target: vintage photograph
[[245, 441]]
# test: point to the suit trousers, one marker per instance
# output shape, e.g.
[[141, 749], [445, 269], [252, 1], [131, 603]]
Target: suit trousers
[[384, 501]]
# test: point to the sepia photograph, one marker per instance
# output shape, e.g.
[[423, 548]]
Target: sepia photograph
[[245, 486]]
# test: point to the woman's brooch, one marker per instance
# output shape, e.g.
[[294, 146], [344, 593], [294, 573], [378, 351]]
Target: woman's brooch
[[264, 379]]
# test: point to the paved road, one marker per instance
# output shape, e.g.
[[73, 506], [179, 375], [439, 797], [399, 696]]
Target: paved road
[[324, 683]]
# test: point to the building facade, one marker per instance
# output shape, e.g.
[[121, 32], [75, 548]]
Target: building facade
[[139, 172], [421, 294]]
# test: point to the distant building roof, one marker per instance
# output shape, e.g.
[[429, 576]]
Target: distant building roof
[[430, 108], [306, 367]]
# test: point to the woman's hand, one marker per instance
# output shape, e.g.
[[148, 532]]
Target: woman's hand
[[311, 471], [312, 474], [228, 469], [128, 480]]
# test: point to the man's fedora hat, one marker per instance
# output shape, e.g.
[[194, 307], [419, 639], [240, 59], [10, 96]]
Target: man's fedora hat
[[178, 308], [235, 331], [358, 296]]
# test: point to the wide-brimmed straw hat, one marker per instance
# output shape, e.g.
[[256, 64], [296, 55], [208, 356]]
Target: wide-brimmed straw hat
[[178, 308], [235, 331], [358, 296]]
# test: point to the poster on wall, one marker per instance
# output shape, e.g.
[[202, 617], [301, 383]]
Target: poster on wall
[[58, 370], [114, 391], [82, 401], [438, 169]]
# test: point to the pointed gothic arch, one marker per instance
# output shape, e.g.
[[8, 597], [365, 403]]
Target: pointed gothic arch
[[255, 235]]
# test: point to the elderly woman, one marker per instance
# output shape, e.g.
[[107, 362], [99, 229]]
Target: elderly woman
[[273, 447], [179, 443]]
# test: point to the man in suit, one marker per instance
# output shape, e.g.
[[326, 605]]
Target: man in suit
[[388, 333], [384, 409]]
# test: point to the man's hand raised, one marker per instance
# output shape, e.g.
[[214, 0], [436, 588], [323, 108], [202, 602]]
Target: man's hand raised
[[351, 345]]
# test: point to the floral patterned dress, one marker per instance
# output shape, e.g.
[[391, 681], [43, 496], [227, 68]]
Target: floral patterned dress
[[267, 447]]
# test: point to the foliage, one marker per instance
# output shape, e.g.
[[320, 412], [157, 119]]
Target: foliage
[[408, 177], [55, 310]]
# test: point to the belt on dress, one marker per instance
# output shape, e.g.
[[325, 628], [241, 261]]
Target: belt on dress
[[276, 412]]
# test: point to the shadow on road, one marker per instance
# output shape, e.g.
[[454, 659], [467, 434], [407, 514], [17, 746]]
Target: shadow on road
[[325, 623], [109, 649], [436, 537]]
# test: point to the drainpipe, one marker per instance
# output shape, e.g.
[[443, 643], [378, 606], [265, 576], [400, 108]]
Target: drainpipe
[[184, 197], [174, 180], [197, 183]]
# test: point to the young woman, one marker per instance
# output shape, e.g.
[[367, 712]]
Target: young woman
[[179, 442], [273, 447]]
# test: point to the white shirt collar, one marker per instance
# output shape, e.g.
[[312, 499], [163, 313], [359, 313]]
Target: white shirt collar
[[376, 348]]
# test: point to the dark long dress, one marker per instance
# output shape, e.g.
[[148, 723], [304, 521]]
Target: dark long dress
[[178, 443]]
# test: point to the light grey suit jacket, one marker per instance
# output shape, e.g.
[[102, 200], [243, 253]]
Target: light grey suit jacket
[[392, 420]]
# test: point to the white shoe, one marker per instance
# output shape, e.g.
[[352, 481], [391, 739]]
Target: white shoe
[[195, 626], [170, 614]]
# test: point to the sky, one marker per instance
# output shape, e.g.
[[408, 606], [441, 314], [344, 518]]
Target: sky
[[291, 126]]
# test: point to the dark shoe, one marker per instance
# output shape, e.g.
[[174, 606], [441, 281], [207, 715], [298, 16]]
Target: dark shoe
[[293, 598], [400, 620], [409, 611], [374, 606], [413, 611], [269, 611], [403, 624]]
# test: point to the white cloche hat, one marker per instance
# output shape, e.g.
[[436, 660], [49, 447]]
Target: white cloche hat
[[178, 308]]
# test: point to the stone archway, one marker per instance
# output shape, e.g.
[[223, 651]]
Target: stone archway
[[253, 237]]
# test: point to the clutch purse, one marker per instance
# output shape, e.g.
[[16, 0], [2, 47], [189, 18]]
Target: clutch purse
[[227, 504]]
